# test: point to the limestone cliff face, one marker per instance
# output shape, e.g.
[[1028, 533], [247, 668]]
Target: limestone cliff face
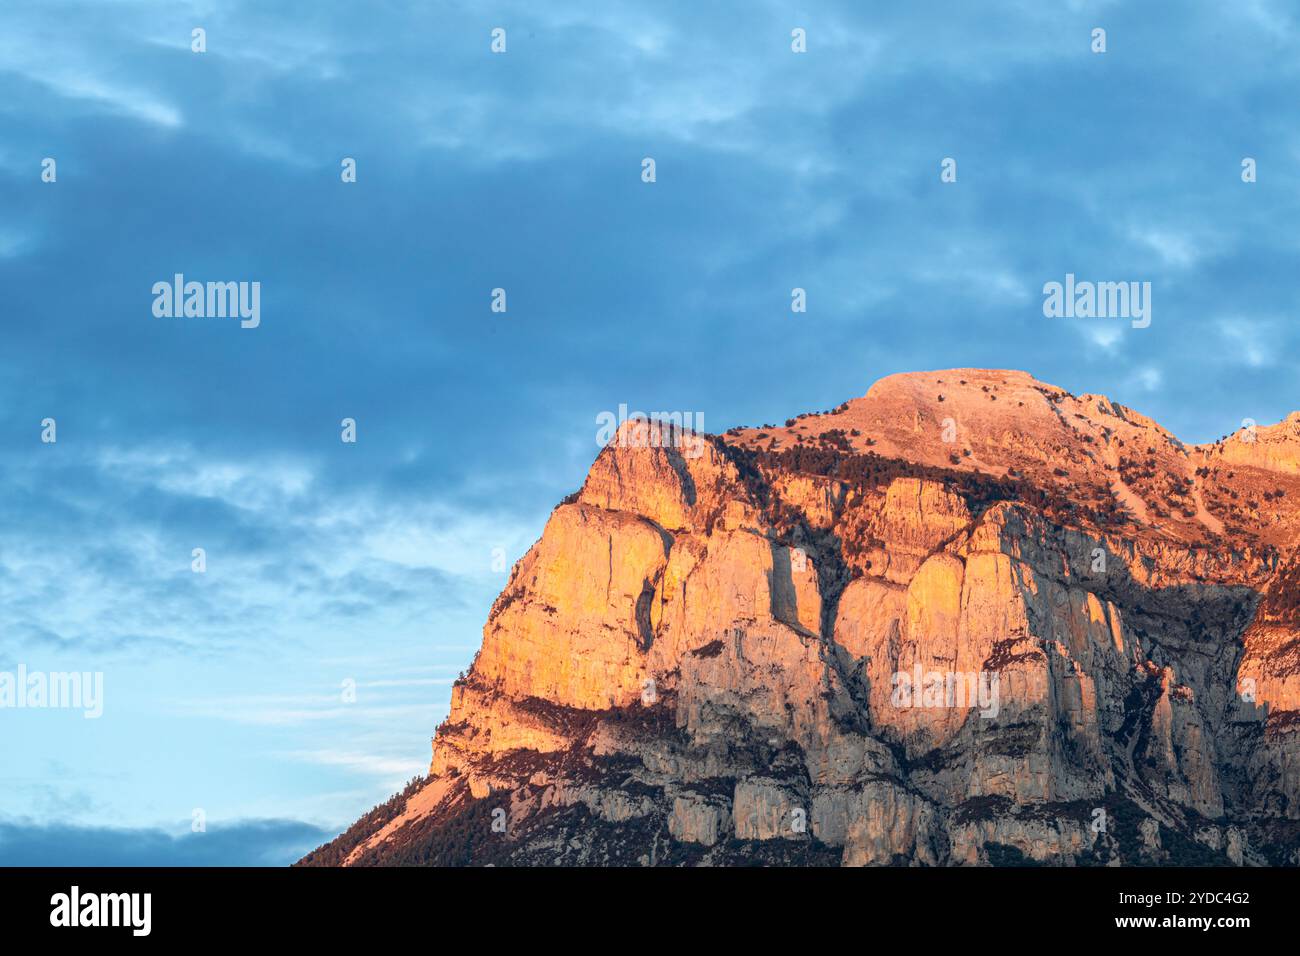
[[967, 619]]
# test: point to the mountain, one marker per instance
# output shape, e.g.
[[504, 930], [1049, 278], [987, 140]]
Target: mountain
[[967, 619]]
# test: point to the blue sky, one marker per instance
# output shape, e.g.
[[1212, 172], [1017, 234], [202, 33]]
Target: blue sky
[[373, 562]]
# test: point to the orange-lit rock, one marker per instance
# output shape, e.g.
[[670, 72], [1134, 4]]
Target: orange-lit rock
[[700, 660]]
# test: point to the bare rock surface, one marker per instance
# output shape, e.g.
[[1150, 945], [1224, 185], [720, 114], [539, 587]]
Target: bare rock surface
[[967, 619]]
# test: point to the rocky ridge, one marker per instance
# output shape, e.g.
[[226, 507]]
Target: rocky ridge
[[704, 658]]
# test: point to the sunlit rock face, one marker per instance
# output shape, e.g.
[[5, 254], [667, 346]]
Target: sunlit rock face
[[967, 619]]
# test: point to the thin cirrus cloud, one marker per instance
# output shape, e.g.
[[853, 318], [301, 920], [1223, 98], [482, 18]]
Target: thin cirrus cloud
[[397, 767], [127, 524]]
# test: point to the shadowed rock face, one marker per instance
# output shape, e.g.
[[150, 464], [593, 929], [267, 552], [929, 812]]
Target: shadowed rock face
[[967, 619]]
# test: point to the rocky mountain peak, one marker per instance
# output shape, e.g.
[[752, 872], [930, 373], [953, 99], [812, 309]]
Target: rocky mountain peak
[[967, 618]]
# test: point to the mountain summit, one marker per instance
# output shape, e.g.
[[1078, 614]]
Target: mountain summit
[[967, 619]]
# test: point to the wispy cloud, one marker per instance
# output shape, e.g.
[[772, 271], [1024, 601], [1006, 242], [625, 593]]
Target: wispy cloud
[[367, 764], [1253, 341]]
